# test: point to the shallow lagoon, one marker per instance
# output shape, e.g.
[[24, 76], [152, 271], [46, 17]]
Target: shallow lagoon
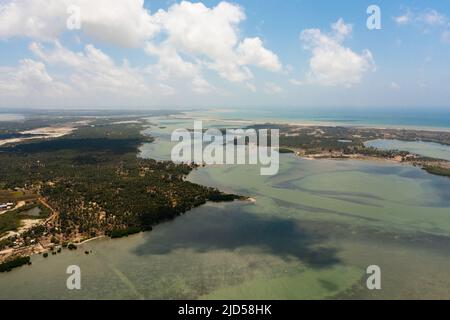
[[312, 232], [426, 149]]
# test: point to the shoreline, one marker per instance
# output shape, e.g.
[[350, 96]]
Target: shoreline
[[90, 240], [44, 245], [40, 134], [312, 123], [39, 248], [360, 157]]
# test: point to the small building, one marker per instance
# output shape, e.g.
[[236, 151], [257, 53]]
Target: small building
[[6, 206]]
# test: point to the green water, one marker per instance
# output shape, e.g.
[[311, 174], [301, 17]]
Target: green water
[[426, 149], [313, 231]]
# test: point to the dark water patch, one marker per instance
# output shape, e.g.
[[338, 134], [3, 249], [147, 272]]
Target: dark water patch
[[32, 212], [382, 237], [436, 242], [311, 209], [383, 170], [328, 193], [440, 186], [18, 135], [357, 201], [414, 173], [231, 228]]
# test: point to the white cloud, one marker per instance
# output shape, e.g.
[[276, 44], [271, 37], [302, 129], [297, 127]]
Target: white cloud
[[429, 17], [395, 86], [171, 66], [93, 70], [405, 18], [426, 21], [341, 29], [30, 78], [445, 36], [211, 36], [28, 18], [251, 87], [187, 40], [125, 23], [296, 82], [273, 88], [332, 63], [252, 52], [433, 18]]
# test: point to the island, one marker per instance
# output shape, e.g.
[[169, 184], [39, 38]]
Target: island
[[335, 142]]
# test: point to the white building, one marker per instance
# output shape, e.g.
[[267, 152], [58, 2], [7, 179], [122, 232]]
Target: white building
[[6, 206]]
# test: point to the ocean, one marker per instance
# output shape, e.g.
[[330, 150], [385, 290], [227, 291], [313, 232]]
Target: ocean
[[425, 118], [11, 117]]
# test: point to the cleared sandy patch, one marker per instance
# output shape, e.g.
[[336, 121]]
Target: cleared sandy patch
[[27, 224], [127, 122], [51, 132], [41, 133]]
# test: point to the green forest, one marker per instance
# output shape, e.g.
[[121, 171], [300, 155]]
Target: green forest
[[98, 185]]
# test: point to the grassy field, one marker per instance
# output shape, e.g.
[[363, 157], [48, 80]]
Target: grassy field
[[11, 220], [15, 196]]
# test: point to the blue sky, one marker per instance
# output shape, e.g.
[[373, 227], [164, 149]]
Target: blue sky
[[224, 54]]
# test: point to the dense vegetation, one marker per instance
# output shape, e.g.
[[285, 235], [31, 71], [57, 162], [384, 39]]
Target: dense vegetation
[[97, 185], [17, 262], [343, 142], [438, 171], [8, 222], [285, 150], [339, 138]]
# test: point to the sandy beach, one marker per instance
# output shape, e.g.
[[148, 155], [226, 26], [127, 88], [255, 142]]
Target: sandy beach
[[41, 133], [307, 123]]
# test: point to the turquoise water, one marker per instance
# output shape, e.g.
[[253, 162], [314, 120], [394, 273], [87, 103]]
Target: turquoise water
[[312, 232], [10, 117], [427, 149], [423, 118]]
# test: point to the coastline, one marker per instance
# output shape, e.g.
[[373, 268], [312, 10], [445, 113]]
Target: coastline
[[101, 251], [310, 123], [441, 166], [39, 248], [41, 133], [44, 245]]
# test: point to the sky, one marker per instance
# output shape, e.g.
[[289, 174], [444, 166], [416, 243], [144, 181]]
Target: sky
[[247, 53]]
